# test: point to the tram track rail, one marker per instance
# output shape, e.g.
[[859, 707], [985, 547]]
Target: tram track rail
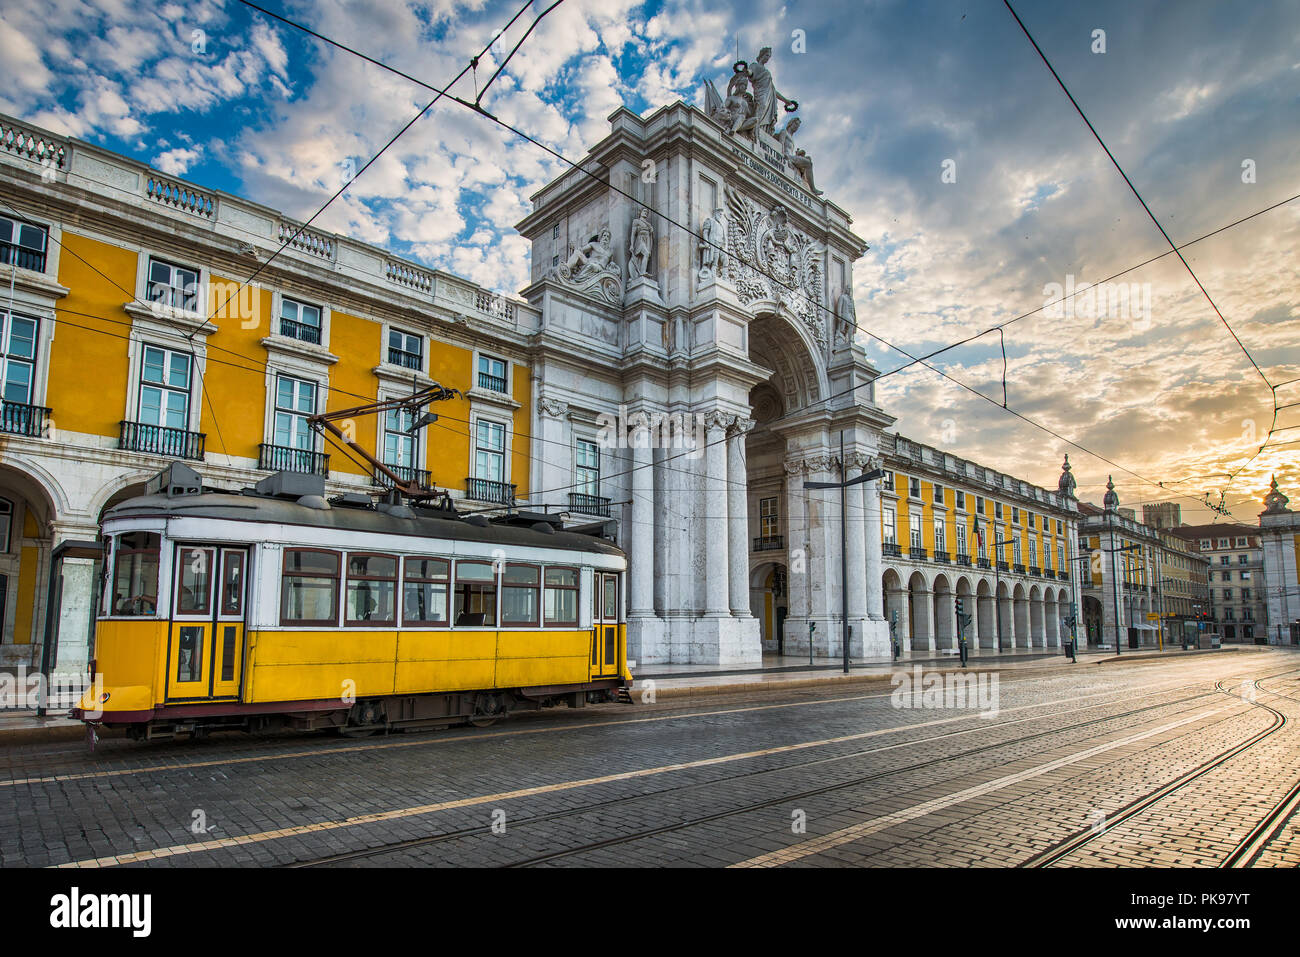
[[424, 841], [248, 752], [1247, 850]]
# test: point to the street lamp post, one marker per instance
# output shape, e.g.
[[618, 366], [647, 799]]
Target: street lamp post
[[842, 485]]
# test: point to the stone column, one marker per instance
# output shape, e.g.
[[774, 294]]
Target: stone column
[[738, 518], [716, 570], [987, 626], [923, 612], [855, 546], [641, 569], [796, 535], [875, 546]]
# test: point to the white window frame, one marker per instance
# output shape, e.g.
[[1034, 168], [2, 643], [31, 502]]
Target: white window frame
[[507, 423], [326, 319], [889, 526], [578, 469], [140, 384]]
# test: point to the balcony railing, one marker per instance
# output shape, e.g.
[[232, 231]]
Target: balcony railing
[[300, 330], [768, 543], [407, 360], [161, 440], [493, 383], [11, 254], [485, 490], [1035, 570], [280, 458], [917, 553], [589, 504], [406, 473], [1020, 569], [22, 419], [891, 550], [963, 560], [941, 556], [1003, 567], [984, 563]]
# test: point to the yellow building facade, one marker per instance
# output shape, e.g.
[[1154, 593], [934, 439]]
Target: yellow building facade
[[147, 320]]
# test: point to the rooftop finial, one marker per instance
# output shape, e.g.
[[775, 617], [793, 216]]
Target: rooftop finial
[[1066, 484], [1111, 501]]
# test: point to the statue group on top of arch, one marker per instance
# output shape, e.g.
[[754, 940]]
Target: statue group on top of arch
[[750, 105]]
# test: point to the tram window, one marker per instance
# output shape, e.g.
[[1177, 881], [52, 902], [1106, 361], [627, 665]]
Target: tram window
[[424, 591], [476, 591], [520, 585], [561, 598], [611, 598], [189, 656], [372, 587], [232, 584], [194, 581], [135, 574], [309, 591]]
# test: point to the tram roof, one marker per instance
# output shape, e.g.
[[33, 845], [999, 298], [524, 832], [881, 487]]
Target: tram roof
[[258, 509]]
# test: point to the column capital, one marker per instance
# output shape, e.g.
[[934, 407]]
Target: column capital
[[740, 425], [717, 419]]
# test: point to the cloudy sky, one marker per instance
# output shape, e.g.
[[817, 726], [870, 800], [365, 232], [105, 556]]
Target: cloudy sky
[[1198, 102]]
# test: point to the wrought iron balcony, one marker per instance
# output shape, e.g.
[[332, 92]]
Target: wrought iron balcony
[[22, 419], [984, 563], [891, 550], [300, 330], [406, 473], [1035, 570], [493, 383], [407, 360], [161, 440], [963, 560], [917, 553], [11, 254], [280, 458], [1019, 568], [485, 490], [589, 504], [941, 556], [768, 543], [1003, 567]]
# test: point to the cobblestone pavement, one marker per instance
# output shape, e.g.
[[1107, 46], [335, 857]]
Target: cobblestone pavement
[[802, 777]]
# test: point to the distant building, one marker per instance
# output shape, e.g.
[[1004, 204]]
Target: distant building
[[1237, 607], [1162, 515], [1146, 584]]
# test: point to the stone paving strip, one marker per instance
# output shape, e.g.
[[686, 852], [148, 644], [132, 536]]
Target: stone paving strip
[[1010, 832], [109, 860], [749, 800], [89, 816], [1209, 817], [858, 831]]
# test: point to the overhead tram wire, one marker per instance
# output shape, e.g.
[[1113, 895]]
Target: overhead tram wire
[[189, 337], [477, 108], [1097, 136], [260, 371], [439, 93]]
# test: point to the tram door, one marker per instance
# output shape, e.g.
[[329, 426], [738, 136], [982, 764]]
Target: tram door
[[604, 646], [206, 646]]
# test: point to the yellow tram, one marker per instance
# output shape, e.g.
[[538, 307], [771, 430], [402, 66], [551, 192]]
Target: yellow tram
[[276, 607]]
